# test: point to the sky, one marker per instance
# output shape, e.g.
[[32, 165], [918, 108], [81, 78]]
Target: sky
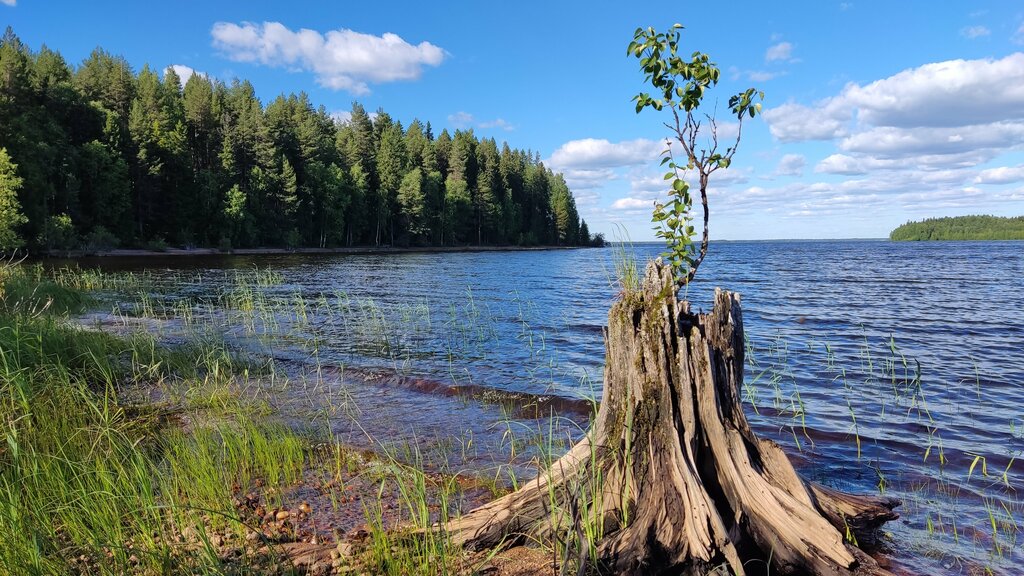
[[875, 113]]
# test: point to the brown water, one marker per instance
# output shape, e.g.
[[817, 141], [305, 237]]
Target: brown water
[[878, 365]]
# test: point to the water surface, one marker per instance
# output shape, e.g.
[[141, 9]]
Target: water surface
[[880, 366]]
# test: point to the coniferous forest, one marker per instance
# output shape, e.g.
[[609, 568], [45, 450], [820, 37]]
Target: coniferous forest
[[100, 156], [962, 228]]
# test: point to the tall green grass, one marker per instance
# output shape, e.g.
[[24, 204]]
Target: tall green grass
[[91, 483]]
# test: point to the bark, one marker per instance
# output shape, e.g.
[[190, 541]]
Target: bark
[[670, 479]]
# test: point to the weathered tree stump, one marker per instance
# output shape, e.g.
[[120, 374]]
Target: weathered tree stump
[[671, 473]]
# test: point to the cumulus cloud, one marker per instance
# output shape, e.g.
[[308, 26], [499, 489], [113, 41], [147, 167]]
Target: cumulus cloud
[[600, 153], [649, 186], [791, 165], [919, 133], [950, 93], [584, 179], [1000, 175], [183, 72], [629, 203], [341, 116], [840, 164], [782, 51], [973, 32], [792, 122], [592, 162], [341, 59], [893, 142], [944, 94]]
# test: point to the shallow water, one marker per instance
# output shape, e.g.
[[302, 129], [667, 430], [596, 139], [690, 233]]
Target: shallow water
[[878, 365]]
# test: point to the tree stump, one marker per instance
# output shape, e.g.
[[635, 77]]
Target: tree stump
[[670, 479]]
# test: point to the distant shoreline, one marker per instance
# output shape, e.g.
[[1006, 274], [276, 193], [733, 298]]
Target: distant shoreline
[[366, 250], [972, 228]]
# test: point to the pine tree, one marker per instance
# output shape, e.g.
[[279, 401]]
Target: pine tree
[[413, 204], [391, 168], [10, 209], [458, 211]]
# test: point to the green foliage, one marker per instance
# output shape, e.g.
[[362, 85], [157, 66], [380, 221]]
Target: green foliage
[[100, 239], [132, 155], [10, 210], [680, 84], [91, 485], [58, 233], [962, 228]]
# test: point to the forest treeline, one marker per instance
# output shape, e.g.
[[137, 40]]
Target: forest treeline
[[98, 156], [962, 228]]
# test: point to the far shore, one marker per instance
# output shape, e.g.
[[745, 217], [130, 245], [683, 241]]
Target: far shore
[[145, 253]]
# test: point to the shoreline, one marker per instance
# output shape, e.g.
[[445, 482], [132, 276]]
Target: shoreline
[[360, 250]]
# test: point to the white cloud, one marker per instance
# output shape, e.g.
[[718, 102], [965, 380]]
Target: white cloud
[[1000, 175], [754, 75], [464, 120], [9, 2], [973, 32], [793, 122], [629, 203], [498, 123], [950, 93], [341, 59], [183, 72], [592, 153], [791, 165], [648, 186], [893, 142], [844, 6], [763, 75], [954, 93], [840, 164], [583, 179], [460, 119], [782, 51], [341, 116], [1018, 36], [586, 199]]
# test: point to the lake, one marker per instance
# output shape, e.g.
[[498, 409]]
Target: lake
[[879, 366]]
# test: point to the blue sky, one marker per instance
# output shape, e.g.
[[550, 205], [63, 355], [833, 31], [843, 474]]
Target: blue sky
[[875, 112]]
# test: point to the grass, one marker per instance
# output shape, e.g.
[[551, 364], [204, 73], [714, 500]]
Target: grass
[[91, 483]]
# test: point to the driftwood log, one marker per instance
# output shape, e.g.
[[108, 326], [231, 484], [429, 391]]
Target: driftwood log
[[670, 473]]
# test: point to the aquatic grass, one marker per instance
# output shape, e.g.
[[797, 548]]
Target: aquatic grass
[[90, 483], [417, 543], [626, 271], [958, 509]]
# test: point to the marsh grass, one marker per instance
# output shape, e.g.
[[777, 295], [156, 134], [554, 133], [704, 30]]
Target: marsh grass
[[415, 542], [92, 483], [959, 509]]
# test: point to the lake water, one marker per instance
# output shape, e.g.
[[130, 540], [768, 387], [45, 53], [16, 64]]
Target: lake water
[[880, 366]]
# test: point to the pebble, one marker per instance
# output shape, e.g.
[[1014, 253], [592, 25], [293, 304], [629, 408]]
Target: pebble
[[282, 515]]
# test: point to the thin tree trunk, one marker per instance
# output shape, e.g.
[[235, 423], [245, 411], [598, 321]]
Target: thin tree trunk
[[670, 473]]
